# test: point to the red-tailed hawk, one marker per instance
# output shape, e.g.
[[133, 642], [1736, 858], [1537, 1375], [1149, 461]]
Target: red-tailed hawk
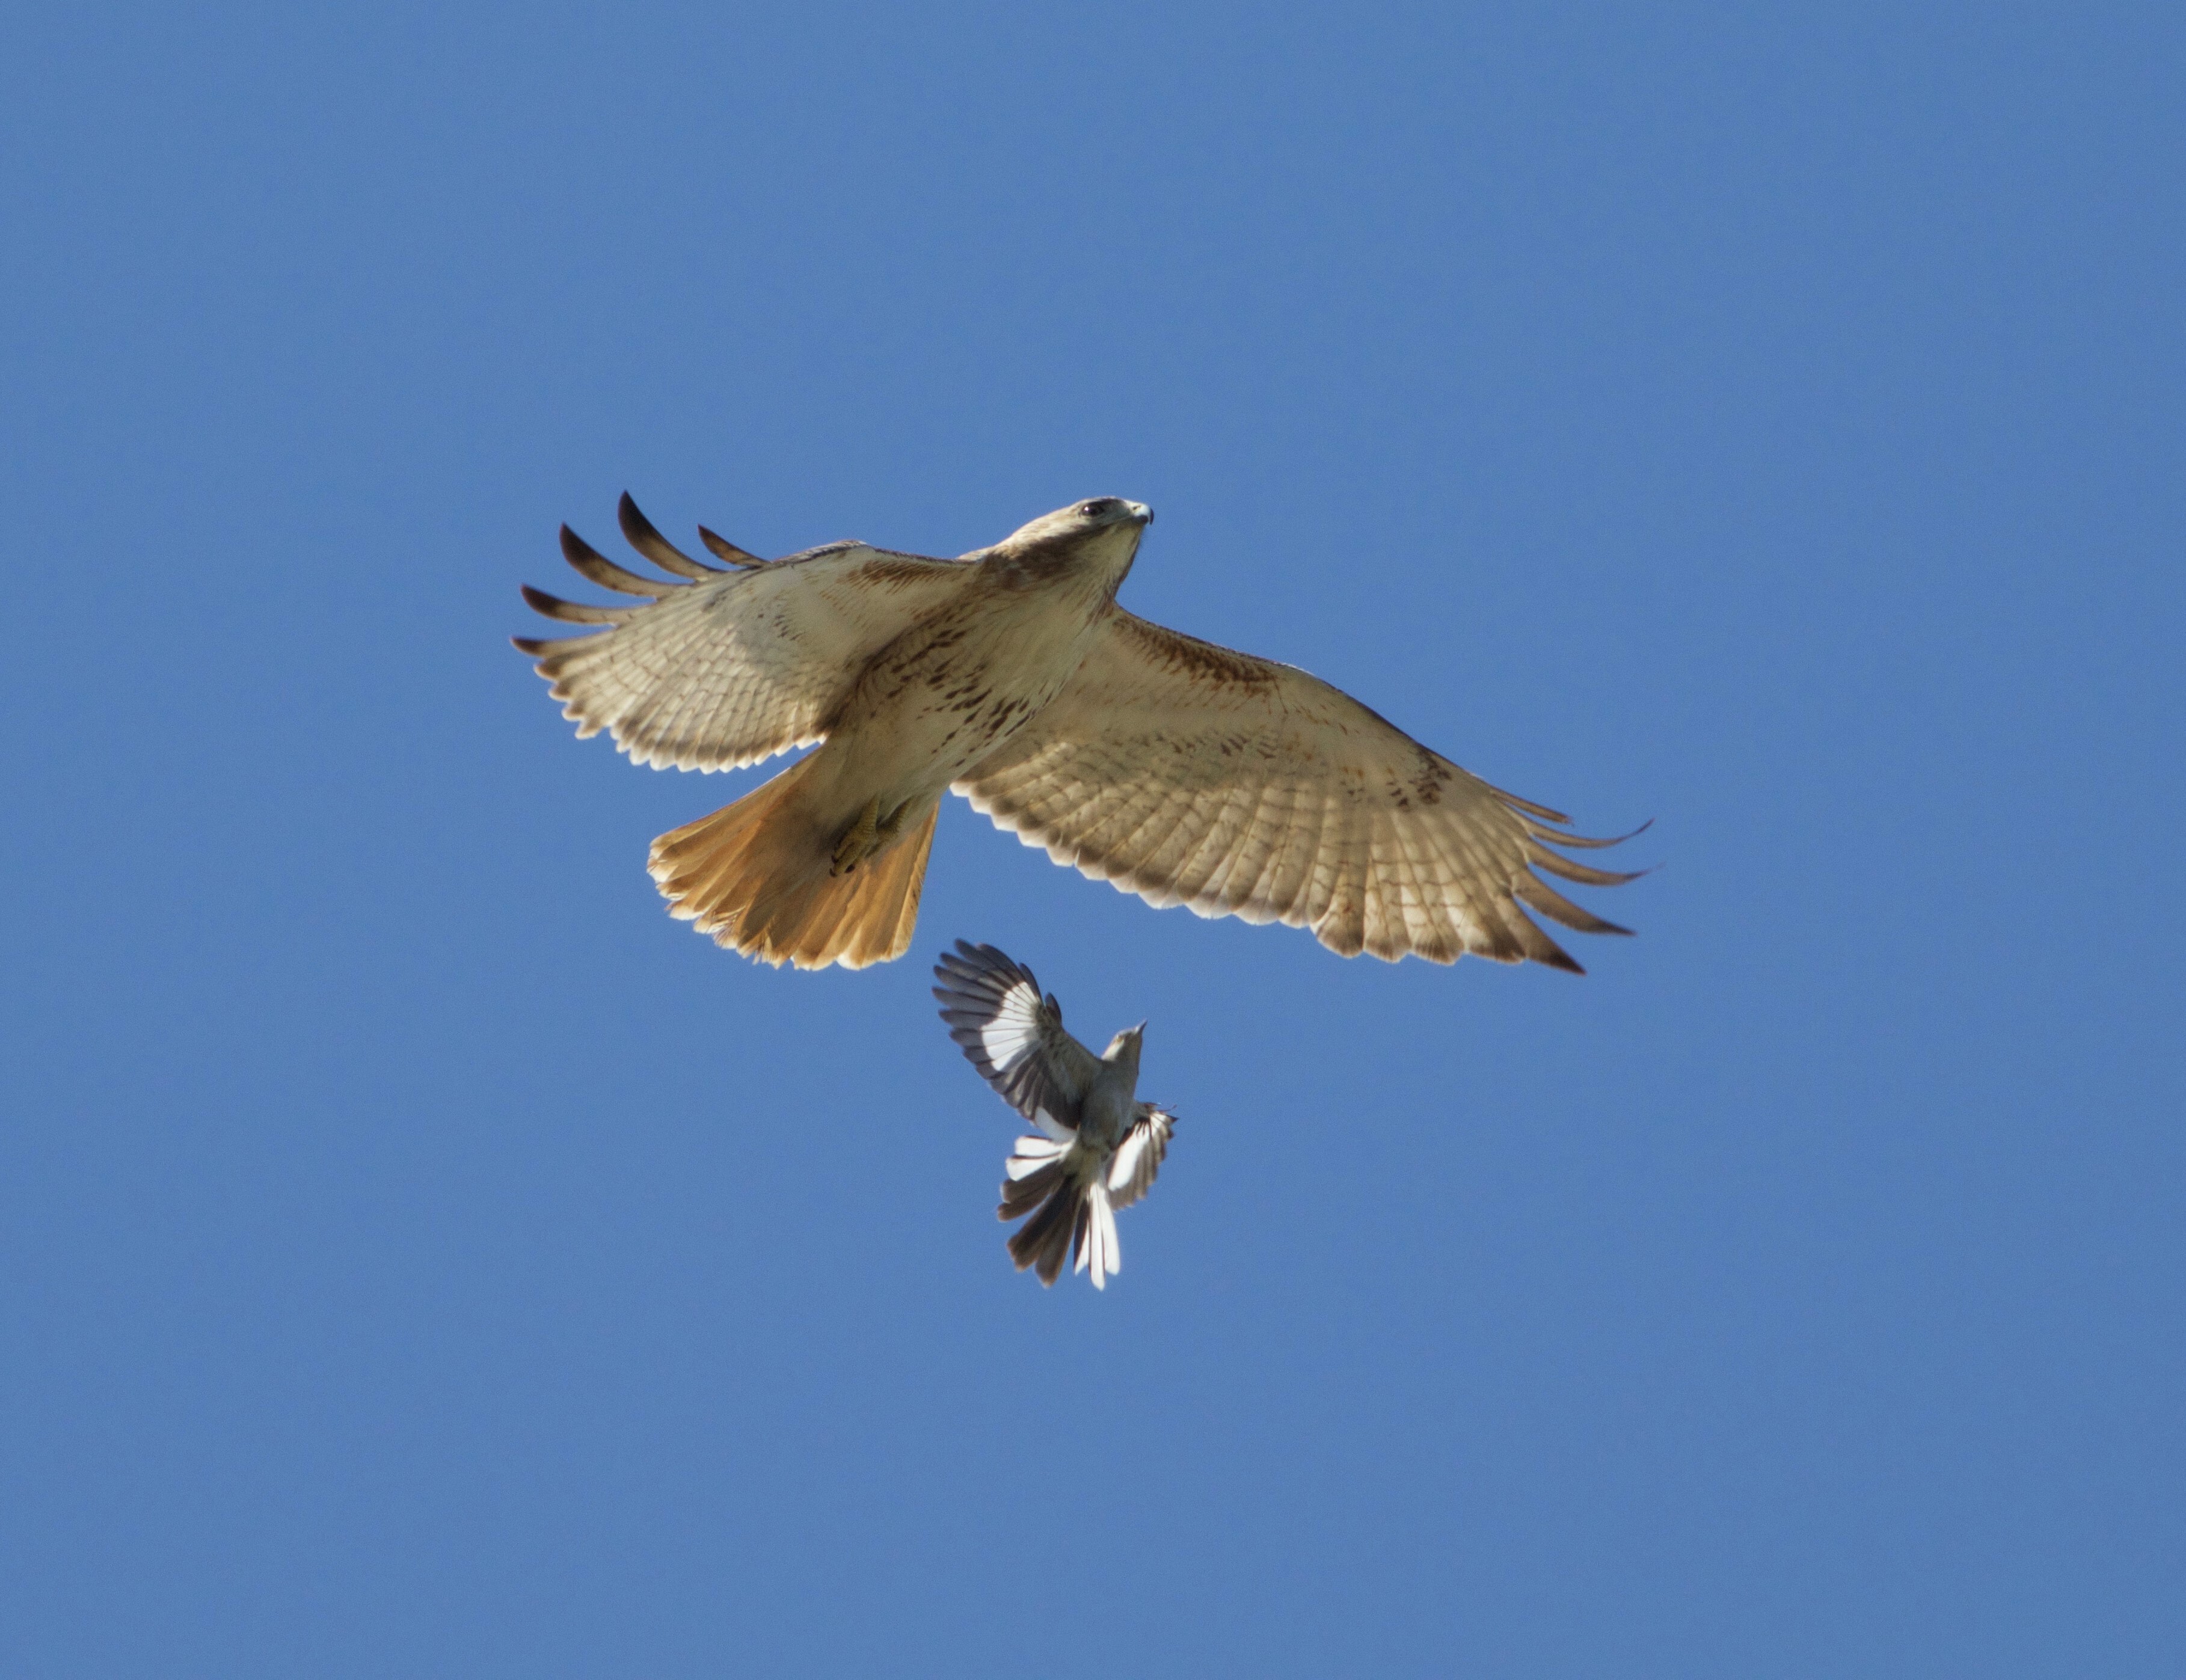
[[1098, 1146], [1181, 771]]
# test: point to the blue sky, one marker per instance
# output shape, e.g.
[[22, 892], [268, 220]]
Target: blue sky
[[420, 1255]]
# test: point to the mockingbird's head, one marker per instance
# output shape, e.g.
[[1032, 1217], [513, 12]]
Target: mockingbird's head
[[1124, 1046]]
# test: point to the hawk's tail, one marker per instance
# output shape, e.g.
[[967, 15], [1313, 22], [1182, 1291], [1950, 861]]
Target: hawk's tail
[[755, 875], [1071, 1217]]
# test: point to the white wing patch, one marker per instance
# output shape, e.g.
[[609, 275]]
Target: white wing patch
[[1139, 1157], [1014, 1033], [1014, 1036]]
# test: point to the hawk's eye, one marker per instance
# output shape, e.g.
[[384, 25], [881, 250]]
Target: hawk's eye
[[1091, 510]]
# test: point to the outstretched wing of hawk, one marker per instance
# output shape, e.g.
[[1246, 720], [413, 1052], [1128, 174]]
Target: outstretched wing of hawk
[[1191, 774], [731, 667]]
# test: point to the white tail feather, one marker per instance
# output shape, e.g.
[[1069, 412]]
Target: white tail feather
[[1099, 1254], [1032, 1154]]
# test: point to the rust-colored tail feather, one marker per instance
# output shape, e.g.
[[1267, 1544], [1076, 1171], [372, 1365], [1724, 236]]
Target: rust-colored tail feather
[[755, 874]]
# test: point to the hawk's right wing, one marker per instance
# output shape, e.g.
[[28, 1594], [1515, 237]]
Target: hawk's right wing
[[1014, 1036], [713, 669]]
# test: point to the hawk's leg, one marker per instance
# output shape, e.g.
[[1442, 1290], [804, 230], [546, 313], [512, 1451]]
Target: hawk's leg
[[870, 835], [859, 839]]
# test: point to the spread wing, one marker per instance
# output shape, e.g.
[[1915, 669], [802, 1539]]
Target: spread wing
[[1191, 774], [1138, 1158], [1014, 1036], [713, 669]]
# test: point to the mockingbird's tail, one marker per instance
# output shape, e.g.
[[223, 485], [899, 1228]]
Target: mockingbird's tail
[[1072, 1214]]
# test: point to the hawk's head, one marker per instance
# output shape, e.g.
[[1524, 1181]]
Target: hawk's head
[[1100, 534], [1101, 518]]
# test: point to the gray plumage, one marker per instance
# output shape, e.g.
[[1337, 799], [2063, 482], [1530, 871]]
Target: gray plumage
[[1099, 1147]]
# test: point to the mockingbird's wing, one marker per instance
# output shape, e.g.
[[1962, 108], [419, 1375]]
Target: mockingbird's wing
[[1139, 1156], [1014, 1036]]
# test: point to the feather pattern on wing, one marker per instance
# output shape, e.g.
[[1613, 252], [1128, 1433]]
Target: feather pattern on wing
[[1138, 1158], [729, 668], [1192, 775], [1015, 1037]]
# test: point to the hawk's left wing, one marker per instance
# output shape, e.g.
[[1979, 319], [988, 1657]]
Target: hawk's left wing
[[1191, 774], [1014, 1036]]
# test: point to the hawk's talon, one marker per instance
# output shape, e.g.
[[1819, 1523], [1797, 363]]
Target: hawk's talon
[[858, 840]]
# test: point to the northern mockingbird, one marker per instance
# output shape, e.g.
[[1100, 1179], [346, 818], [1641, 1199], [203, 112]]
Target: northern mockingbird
[[1098, 1146]]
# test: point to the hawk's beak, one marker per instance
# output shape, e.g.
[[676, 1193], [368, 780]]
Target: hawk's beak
[[1141, 514]]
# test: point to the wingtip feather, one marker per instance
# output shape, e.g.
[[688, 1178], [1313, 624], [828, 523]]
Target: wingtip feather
[[1539, 895], [572, 612], [641, 535], [722, 549], [588, 561]]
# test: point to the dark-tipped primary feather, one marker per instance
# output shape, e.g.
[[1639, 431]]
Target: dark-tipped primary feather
[[1584, 843], [547, 648], [1539, 896], [722, 549], [1585, 875], [574, 611], [643, 536], [602, 571]]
